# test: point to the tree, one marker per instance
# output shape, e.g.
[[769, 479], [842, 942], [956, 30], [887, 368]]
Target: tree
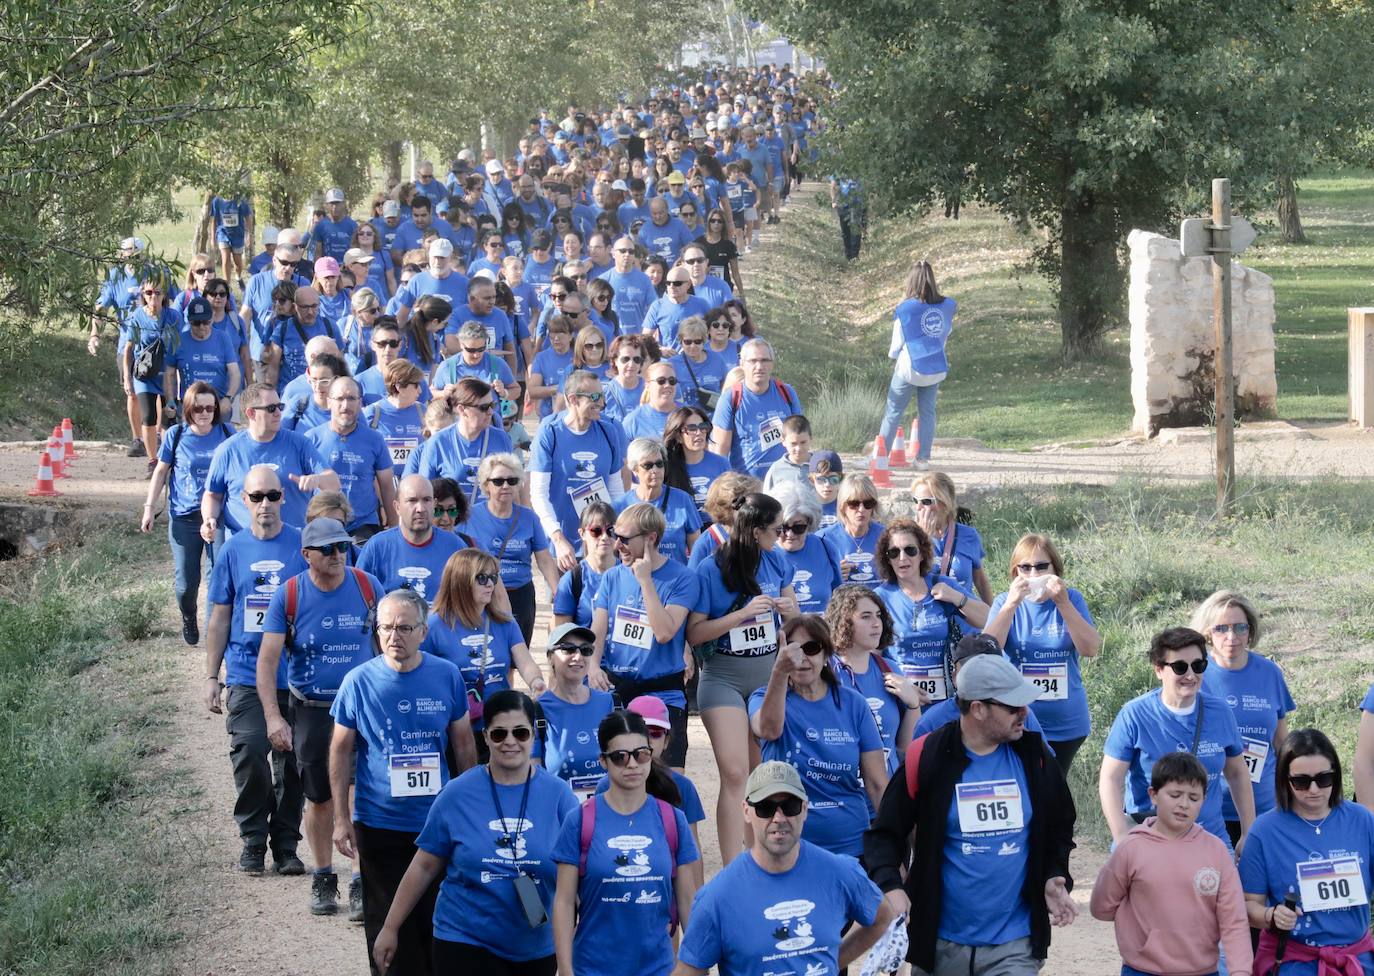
[[1086, 117]]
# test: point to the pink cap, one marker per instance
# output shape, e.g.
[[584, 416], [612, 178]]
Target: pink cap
[[326, 268], [652, 710]]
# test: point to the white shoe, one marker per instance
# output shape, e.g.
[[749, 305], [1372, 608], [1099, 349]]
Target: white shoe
[[919, 465]]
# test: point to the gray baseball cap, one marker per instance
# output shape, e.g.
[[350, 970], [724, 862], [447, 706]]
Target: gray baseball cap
[[563, 631], [770, 779], [324, 532], [989, 677]]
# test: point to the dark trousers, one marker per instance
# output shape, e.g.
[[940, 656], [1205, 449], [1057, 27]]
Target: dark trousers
[[269, 801], [383, 856], [1065, 750], [852, 222], [522, 608], [461, 959], [183, 533]]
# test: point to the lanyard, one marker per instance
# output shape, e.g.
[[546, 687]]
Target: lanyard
[[951, 537], [507, 838]]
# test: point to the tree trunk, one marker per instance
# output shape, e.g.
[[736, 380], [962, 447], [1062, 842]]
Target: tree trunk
[[1290, 224], [391, 160], [1090, 277]]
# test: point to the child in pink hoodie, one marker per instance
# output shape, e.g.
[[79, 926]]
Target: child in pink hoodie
[[1172, 888]]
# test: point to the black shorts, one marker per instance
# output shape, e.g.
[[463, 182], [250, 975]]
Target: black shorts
[[147, 408], [312, 728]]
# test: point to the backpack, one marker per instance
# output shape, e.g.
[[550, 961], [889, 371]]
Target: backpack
[[913, 764], [293, 597], [180, 429], [669, 817]]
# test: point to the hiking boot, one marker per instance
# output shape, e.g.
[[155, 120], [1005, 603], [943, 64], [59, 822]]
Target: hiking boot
[[287, 863], [324, 894], [190, 630], [136, 449], [355, 900], [251, 861]]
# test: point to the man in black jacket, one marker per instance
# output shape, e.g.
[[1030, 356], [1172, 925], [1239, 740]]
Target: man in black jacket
[[993, 820]]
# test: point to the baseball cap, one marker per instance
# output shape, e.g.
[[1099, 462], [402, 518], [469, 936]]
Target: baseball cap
[[354, 255], [829, 459], [333, 195], [560, 136], [541, 239], [324, 532], [652, 710], [988, 677], [441, 248], [676, 177], [971, 645], [563, 631], [392, 208], [131, 244], [486, 273], [269, 234], [623, 131], [494, 166], [697, 132], [770, 779], [326, 268], [199, 310], [621, 185]]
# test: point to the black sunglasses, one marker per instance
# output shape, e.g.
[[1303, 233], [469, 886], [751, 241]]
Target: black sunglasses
[[892, 552], [334, 548], [1301, 782], [650, 465], [795, 528], [790, 805], [586, 650], [452, 511], [387, 343], [868, 503], [620, 757], [521, 733], [503, 482], [1181, 667], [270, 407], [1035, 567], [812, 648], [256, 497], [485, 579]]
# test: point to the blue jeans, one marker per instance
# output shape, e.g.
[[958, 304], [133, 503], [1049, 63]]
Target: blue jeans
[[899, 393], [183, 532]]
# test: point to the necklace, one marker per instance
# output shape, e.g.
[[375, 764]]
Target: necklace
[[1315, 826]]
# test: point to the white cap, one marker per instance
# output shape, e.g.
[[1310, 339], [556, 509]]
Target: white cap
[[621, 185], [486, 273], [134, 244], [466, 154], [441, 248], [494, 166], [334, 195], [392, 208], [269, 234]]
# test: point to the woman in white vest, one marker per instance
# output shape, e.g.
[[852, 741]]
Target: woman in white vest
[[920, 329]]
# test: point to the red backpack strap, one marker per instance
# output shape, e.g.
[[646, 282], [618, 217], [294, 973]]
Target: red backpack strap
[[365, 588], [881, 662], [588, 827], [913, 764], [785, 393], [292, 601], [736, 397]]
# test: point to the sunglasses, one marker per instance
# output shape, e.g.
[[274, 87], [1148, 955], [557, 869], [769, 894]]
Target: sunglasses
[[333, 549], [651, 465], [216, 294], [597, 531], [1237, 629], [200, 271], [687, 213], [665, 380], [927, 501], [257, 497], [622, 540], [588, 345], [692, 342], [621, 757], [387, 343], [504, 482], [486, 579], [795, 528], [521, 733], [586, 650], [1181, 667], [1036, 567], [1301, 783], [452, 511], [693, 260], [203, 409], [719, 325], [695, 428], [591, 397], [270, 407], [767, 809], [474, 350], [485, 405], [868, 503], [892, 552], [558, 294], [812, 648], [637, 360], [674, 282], [715, 220]]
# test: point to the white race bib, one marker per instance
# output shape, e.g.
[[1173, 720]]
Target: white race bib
[[1337, 883], [1254, 756], [929, 679], [1051, 679], [255, 612], [584, 786], [754, 636], [491, 336], [415, 774], [229, 218], [632, 628], [770, 433], [588, 492], [990, 806], [400, 448]]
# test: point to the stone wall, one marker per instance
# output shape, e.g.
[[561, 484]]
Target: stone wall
[[1173, 339]]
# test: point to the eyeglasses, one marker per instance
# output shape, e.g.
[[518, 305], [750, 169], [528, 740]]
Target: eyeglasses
[[1301, 782], [790, 806], [586, 650], [812, 648], [306, 308], [452, 511], [927, 501], [203, 409], [1035, 567], [333, 549], [387, 343], [622, 250], [590, 397], [484, 405], [621, 757], [1181, 667], [151, 291], [692, 342], [485, 579], [867, 503], [715, 220], [269, 407], [674, 282], [200, 271], [558, 294], [651, 465], [693, 260], [503, 482], [1237, 629], [795, 528], [405, 630], [521, 733], [619, 539], [826, 479], [665, 380], [893, 552], [347, 398], [718, 325], [271, 495]]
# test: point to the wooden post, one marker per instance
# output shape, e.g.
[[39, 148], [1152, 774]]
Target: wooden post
[[1221, 312], [1361, 367]]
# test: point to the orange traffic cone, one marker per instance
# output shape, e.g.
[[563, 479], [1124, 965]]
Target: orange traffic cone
[[55, 454], [877, 464], [68, 442], [42, 484], [897, 459]]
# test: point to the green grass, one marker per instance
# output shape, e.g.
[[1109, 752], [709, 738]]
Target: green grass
[[84, 883], [1007, 386]]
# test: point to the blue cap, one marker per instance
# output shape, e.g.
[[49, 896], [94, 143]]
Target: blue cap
[[198, 310]]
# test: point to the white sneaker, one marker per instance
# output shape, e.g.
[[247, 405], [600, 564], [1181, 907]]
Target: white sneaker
[[920, 465]]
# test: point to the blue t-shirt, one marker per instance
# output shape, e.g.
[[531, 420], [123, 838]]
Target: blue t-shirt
[[713, 291], [679, 511], [708, 375], [1258, 696], [581, 466], [757, 423], [570, 747], [257, 294], [625, 896], [404, 715], [645, 421], [500, 331], [332, 633], [665, 315], [666, 241], [925, 330], [141, 330], [747, 921], [229, 217], [860, 553], [402, 430], [302, 414], [333, 238], [1145, 729], [483, 655], [1280, 841], [191, 465], [399, 563], [581, 608], [968, 555], [287, 453], [520, 534], [921, 634], [357, 457], [553, 369], [205, 359], [984, 865], [450, 455], [824, 740], [815, 573], [453, 286], [1038, 643], [248, 570], [486, 846], [491, 369], [291, 335], [691, 799], [886, 708], [634, 293], [708, 469], [632, 650], [773, 576], [374, 386]]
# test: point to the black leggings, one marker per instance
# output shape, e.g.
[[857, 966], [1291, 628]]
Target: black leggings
[[1065, 750], [461, 959], [147, 408], [522, 608]]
